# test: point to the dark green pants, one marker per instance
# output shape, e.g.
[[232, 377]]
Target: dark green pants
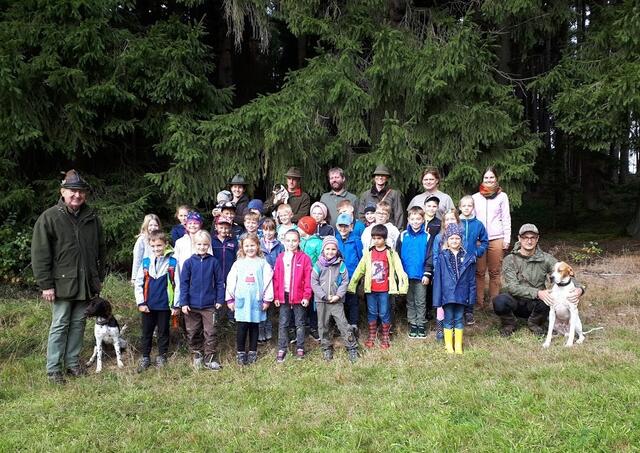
[[66, 334]]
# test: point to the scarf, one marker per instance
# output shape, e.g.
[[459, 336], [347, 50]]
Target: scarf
[[296, 192], [489, 192], [322, 261]]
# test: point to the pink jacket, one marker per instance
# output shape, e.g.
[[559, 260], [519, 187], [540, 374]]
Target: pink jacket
[[494, 215], [300, 284]]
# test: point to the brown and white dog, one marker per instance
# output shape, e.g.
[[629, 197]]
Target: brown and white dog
[[563, 315]]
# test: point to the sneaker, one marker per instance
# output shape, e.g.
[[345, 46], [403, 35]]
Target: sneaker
[[314, 334], [76, 371], [422, 331], [252, 357], [241, 358], [145, 363], [468, 319], [413, 331], [212, 365], [197, 360], [56, 377], [161, 361], [353, 355], [300, 354], [327, 354], [281, 355]]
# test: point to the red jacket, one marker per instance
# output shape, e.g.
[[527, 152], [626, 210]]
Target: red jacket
[[300, 284]]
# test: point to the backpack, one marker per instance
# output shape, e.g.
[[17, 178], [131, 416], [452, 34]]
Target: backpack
[[171, 272], [341, 270]]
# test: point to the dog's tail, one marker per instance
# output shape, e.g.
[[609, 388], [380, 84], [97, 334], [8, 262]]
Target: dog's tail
[[123, 329], [592, 330]]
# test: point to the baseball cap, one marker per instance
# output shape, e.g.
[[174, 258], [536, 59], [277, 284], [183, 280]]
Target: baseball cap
[[344, 219], [528, 228]]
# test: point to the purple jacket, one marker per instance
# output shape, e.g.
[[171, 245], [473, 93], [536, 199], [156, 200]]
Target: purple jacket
[[494, 215]]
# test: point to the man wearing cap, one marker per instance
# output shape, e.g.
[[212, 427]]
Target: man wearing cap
[[299, 201], [524, 294], [67, 256], [380, 191], [238, 187], [337, 194]]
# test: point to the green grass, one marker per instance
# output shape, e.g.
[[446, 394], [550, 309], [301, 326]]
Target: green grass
[[502, 394]]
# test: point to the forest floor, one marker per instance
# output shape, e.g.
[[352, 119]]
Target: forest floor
[[501, 394]]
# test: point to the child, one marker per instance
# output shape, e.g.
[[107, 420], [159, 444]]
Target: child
[[141, 249], [256, 206], [249, 293], [292, 292], [346, 207], [224, 248], [271, 247], [156, 291], [201, 294], [475, 241], [369, 215], [179, 230], [319, 213], [251, 222], [284, 215], [311, 244], [227, 210], [185, 246], [350, 248], [383, 275], [382, 215], [432, 222], [454, 286], [413, 249], [329, 280]]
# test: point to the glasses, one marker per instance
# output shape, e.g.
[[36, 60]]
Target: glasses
[[528, 238]]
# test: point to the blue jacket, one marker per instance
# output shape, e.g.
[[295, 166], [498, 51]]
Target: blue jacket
[[455, 283], [474, 232], [413, 250], [201, 282], [271, 256], [177, 232], [225, 252], [351, 250]]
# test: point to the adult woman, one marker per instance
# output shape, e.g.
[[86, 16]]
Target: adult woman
[[238, 186], [491, 206], [430, 181]]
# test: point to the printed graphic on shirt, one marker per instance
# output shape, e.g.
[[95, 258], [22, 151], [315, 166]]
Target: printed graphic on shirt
[[379, 274], [250, 278]]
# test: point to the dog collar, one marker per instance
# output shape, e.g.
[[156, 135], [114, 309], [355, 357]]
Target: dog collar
[[563, 284], [102, 321]]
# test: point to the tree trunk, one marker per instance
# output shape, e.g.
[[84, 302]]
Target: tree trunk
[[633, 229]]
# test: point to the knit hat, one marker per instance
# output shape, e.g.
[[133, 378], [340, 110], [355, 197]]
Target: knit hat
[[255, 204], [453, 230], [307, 224], [322, 206], [329, 240], [344, 219], [370, 208], [224, 196], [194, 216], [73, 180]]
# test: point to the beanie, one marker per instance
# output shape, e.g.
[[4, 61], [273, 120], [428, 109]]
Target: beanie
[[307, 224], [321, 206], [329, 240]]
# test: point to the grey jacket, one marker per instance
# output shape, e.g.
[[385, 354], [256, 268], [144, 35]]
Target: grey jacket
[[329, 281]]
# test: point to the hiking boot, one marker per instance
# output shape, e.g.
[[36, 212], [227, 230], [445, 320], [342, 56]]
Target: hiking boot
[[386, 330], [413, 331], [145, 363], [314, 334], [353, 355], [422, 331], [161, 361], [241, 358], [468, 319], [299, 354], [354, 329], [507, 331], [56, 377], [252, 357], [281, 355], [327, 354], [76, 371], [197, 360], [373, 327], [439, 331]]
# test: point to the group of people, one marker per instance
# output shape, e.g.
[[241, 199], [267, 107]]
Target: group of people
[[305, 260]]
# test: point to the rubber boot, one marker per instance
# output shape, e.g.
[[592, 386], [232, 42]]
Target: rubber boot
[[373, 327], [458, 340], [448, 340], [386, 329]]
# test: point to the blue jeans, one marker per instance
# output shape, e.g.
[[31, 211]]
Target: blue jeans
[[378, 306], [351, 308], [453, 316]]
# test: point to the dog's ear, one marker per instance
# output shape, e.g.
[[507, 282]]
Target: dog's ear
[[571, 273]]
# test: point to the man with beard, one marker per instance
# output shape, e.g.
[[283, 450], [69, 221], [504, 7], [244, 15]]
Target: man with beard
[[337, 194]]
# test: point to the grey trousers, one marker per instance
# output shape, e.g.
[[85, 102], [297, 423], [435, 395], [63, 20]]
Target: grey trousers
[[416, 303], [327, 311], [66, 334]]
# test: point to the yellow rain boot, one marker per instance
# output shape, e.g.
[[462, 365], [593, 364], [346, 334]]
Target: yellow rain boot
[[458, 340], [448, 340]]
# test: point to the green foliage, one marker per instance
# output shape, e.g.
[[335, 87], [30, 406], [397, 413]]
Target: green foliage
[[15, 252], [587, 254]]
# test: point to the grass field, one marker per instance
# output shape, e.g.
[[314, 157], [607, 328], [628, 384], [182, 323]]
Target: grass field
[[501, 395]]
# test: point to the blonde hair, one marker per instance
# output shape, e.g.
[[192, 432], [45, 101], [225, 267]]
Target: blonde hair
[[383, 205], [201, 235], [466, 198], [284, 207], [144, 228], [453, 211], [343, 204], [253, 238], [252, 216]]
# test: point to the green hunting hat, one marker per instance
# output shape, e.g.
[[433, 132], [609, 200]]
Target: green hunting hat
[[381, 170], [238, 180], [293, 172], [73, 180]]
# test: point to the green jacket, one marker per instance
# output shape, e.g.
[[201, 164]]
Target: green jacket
[[524, 276], [398, 280], [312, 246], [67, 252]]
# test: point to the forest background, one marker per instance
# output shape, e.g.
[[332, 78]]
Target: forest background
[[159, 103]]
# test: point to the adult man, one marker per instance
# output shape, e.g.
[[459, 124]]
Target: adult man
[[524, 274], [337, 194], [67, 255], [299, 201], [380, 191]]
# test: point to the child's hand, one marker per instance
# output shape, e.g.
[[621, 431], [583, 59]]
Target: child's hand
[[425, 281], [231, 306], [333, 299], [304, 302], [265, 306], [216, 212], [185, 309], [276, 303], [143, 309], [175, 311], [218, 306]]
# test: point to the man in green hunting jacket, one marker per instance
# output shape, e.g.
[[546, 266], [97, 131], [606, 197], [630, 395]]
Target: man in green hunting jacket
[[67, 255]]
